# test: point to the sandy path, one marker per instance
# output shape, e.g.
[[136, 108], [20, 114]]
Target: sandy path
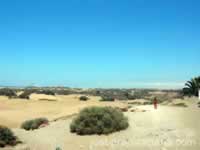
[[168, 128]]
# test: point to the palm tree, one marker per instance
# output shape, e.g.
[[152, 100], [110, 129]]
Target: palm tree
[[192, 87]]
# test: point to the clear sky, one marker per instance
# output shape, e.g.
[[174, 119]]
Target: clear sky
[[99, 43]]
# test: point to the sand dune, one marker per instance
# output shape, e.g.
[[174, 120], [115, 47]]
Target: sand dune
[[14, 111], [167, 128]]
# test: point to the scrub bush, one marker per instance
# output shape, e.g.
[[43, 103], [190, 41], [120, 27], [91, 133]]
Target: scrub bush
[[34, 123], [83, 98], [7, 137], [7, 92], [107, 98], [99, 120]]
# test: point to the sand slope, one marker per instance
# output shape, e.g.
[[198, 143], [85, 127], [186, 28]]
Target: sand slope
[[168, 128], [14, 111]]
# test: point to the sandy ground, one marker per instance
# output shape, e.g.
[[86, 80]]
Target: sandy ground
[[167, 128], [14, 111]]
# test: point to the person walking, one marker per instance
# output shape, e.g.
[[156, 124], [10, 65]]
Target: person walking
[[155, 103]]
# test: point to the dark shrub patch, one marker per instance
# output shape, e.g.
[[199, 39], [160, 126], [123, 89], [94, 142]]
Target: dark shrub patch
[[7, 137], [83, 98], [107, 98], [7, 92], [64, 92], [34, 124], [26, 94], [99, 120], [47, 92], [198, 104], [192, 87], [58, 148]]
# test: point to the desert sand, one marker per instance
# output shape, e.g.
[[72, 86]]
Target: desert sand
[[167, 128], [14, 111]]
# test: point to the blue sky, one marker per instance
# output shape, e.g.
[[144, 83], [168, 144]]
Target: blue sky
[[99, 43]]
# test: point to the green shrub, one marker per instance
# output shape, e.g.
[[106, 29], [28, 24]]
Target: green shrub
[[7, 92], [83, 98], [99, 120], [107, 98], [7, 137], [34, 123], [64, 92], [47, 92]]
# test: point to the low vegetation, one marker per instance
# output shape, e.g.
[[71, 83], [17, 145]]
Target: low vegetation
[[7, 137], [83, 98], [25, 95], [64, 92], [34, 123], [46, 92], [99, 120], [108, 94], [8, 92], [198, 104], [107, 98]]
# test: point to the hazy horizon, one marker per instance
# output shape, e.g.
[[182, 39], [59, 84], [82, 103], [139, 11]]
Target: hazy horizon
[[102, 44], [137, 85]]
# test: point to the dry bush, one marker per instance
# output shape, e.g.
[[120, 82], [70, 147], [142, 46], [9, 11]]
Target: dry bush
[[7, 137], [107, 98], [8, 92], [99, 120], [83, 98], [34, 123]]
